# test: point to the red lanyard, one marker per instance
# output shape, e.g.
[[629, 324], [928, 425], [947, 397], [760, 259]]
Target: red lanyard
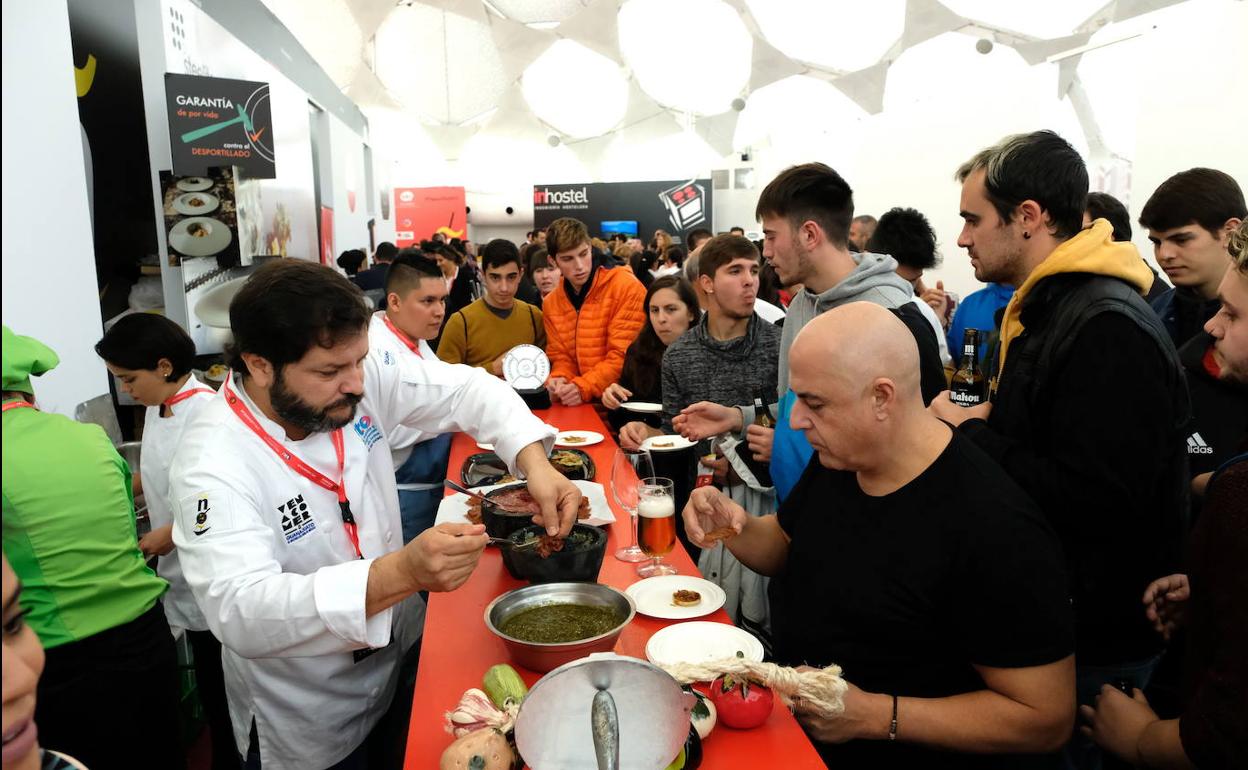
[[299, 466], [412, 346], [184, 395], [18, 405]]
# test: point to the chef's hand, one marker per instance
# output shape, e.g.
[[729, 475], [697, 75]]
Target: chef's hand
[[1165, 603], [614, 395], [1118, 721], [443, 557], [158, 542], [759, 440], [709, 509], [943, 407], [865, 715], [705, 419], [633, 433], [559, 498]]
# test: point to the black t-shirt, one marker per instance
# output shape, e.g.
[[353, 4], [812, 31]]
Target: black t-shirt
[[906, 591]]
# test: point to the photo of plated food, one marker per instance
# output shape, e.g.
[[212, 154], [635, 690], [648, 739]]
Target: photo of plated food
[[192, 204], [200, 236]]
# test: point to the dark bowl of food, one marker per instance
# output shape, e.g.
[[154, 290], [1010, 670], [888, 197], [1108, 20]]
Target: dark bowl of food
[[539, 558], [484, 469], [544, 626], [574, 464], [518, 509], [511, 508]]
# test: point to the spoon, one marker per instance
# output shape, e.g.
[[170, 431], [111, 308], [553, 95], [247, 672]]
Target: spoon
[[480, 498]]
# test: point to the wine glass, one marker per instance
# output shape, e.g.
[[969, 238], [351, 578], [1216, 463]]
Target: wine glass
[[629, 467], [656, 508]]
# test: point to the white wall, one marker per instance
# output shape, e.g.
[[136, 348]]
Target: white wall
[[49, 279], [486, 233], [350, 203]]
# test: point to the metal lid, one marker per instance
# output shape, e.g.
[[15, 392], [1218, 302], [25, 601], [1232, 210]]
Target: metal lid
[[554, 732], [526, 367]]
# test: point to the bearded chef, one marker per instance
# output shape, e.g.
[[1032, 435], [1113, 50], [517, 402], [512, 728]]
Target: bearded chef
[[288, 519]]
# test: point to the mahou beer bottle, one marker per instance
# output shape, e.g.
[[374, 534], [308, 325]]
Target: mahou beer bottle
[[967, 387]]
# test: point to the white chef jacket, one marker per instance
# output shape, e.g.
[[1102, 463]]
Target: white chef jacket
[[160, 438], [382, 342], [266, 555]]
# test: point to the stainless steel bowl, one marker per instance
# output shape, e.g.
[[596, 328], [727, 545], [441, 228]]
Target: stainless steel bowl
[[543, 657]]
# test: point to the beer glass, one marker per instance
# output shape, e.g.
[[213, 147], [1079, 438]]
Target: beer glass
[[628, 468], [656, 525]]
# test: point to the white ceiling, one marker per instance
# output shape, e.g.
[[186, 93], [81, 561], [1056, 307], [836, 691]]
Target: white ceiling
[[577, 71]]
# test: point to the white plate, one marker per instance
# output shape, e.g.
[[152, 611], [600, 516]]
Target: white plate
[[218, 237], [454, 508], [653, 596], [677, 443], [590, 438], [642, 406], [700, 641], [184, 204], [194, 184]]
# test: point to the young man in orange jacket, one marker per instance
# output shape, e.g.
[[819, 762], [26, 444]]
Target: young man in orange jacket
[[591, 317]]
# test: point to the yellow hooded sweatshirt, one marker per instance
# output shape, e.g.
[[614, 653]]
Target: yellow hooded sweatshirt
[[1092, 250]]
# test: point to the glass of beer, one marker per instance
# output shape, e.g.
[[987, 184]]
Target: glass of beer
[[656, 525]]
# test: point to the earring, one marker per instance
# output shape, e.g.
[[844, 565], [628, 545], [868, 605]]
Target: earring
[[1026, 236]]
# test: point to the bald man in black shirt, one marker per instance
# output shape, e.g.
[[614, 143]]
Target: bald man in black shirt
[[909, 558]]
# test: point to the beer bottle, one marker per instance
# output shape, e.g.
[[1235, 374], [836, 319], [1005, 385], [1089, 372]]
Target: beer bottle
[[762, 416], [967, 386]]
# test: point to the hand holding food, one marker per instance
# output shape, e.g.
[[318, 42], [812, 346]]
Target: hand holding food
[[443, 557], [709, 510], [558, 498], [632, 434]]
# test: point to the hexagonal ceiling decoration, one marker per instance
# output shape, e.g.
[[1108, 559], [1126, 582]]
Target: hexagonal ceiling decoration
[[595, 68]]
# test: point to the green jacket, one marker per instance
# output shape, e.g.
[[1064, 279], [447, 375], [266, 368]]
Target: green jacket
[[69, 530]]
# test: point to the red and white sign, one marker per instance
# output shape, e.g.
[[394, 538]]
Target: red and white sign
[[419, 212], [327, 236]]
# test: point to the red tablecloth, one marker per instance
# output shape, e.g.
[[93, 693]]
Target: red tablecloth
[[457, 647]]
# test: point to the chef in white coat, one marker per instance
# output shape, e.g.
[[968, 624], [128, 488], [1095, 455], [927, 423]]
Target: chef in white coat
[[288, 521], [151, 357]]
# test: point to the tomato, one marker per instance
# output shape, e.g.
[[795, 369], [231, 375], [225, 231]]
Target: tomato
[[740, 704]]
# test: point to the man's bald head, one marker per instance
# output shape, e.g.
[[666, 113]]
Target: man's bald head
[[855, 370], [857, 344]]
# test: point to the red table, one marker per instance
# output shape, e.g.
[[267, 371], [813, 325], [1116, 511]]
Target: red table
[[457, 647]]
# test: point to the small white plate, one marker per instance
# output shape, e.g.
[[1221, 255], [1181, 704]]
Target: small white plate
[[454, 508], [580, 438], [194, 184], [642, 406], [215, 236], [670, 443], [701, 641], [653, 596], [186, 204], [486, 447]]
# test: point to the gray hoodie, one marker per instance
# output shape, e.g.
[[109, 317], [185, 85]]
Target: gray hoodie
[[875, 280]]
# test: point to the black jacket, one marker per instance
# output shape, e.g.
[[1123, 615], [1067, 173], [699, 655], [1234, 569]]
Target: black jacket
[[1184, 313], [1219, 410], [1089, 419]]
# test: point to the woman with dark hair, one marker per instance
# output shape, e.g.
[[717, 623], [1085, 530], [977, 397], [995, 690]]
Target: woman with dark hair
[[641, 262], [151, 357], [671, 307], [351, 261], [542, 271]]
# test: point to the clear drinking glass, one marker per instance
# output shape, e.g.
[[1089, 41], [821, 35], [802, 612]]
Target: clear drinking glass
[[628, 468], [656, 509]]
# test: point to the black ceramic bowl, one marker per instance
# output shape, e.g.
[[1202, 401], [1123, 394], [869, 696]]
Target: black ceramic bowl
[[579, 466], [579, 561], [499, 523]]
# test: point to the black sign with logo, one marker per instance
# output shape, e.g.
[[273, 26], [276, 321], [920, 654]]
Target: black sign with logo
[[219, 122], [607, 207]]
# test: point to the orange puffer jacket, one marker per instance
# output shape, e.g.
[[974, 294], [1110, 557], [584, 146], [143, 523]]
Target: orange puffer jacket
[[587, 348]]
